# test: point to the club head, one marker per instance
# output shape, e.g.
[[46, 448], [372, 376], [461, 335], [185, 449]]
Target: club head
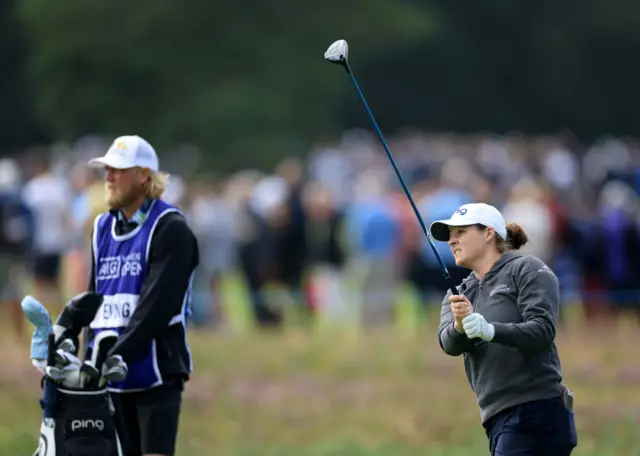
[[338, 52], [73, 379], [64, 358], [62, 373], [54, 373], [102, 345], [89, 374], [114, 369], [67, 346]]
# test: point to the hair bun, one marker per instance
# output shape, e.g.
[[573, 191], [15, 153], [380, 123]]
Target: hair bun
[[516, 236]]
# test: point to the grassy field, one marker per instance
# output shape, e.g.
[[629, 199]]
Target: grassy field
[[335, 392]]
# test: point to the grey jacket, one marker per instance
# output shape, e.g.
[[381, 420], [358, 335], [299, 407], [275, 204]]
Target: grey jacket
[[520, 297]]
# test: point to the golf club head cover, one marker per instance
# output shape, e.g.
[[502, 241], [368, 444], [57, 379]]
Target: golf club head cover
[[38, 315]]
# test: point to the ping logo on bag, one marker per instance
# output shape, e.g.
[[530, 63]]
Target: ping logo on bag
[[77, 425]]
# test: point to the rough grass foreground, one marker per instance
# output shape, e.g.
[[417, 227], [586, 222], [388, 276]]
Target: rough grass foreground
[[339, 393]]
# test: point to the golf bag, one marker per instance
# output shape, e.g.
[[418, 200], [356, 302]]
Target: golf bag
[[77, 423]]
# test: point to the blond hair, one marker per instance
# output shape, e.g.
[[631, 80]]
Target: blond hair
[[156, 185]]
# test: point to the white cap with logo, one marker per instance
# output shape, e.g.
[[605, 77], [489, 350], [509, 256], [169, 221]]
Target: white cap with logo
[[128, 152], [470, 214]]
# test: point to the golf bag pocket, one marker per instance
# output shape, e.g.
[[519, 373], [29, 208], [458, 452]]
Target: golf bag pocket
[[84, 425]]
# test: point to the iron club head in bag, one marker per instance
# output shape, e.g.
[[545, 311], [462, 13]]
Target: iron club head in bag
[[102, 345], [67, 346], [89, 375], [114, 369], [67, 369]]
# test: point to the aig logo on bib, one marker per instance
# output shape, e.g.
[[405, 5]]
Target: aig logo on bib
[[116, 267]]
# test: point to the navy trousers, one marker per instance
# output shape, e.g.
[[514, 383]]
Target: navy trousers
[[539, 428]]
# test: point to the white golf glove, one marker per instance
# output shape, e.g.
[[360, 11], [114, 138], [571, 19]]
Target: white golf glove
[[475, 326]]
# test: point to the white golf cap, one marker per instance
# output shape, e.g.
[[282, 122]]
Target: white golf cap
[[470, 214], [128, 152]]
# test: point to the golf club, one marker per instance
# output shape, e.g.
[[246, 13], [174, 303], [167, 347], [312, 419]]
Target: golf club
[[114, 369], [338, 53], [102, 345], [49, 389], [64, 359], [51, 351], [89, 375], [67, 346], [67, 369]]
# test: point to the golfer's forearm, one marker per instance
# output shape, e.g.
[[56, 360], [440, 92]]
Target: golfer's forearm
[[92, 277], [534, 334], [452, 342]]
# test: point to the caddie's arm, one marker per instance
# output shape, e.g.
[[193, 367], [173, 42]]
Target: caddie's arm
[[172, 255]]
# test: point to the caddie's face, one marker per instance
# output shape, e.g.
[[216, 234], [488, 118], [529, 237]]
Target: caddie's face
[[468, 243], [123, 186]]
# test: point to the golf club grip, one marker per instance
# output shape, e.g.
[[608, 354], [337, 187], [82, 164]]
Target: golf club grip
[[51, 349], [454, 291]]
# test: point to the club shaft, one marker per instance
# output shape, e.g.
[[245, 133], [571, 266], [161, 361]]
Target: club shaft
[[447, 276], [445, 272], [51, 350]]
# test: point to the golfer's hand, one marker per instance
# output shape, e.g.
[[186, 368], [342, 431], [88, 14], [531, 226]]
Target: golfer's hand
[[461, 308], [476, 326]]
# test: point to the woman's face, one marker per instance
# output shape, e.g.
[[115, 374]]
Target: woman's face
[[468, 244]]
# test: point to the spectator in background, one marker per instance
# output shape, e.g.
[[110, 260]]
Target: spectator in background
[[526, 204], [618, 208], [583, 239], [48, 197], [256, 243], [211, 220], [374, 240], [16, 232], [411, 234], [326, 254], [290, 230], [88, 202], [425, 271]]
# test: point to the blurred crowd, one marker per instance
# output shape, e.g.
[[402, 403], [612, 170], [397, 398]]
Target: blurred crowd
[[332, 229]]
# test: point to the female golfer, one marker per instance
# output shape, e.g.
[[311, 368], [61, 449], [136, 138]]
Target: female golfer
[[510, 302]]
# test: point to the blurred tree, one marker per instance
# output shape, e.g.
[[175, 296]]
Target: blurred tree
[[245, 80], [18, 127], [533, 65]]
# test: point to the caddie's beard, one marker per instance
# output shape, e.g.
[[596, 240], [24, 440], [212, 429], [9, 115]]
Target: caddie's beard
[[115, 199]]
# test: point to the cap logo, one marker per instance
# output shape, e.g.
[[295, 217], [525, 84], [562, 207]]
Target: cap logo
[[461, 211], [121, 145]]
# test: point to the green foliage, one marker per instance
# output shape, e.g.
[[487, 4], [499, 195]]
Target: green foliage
[[245, 80]]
